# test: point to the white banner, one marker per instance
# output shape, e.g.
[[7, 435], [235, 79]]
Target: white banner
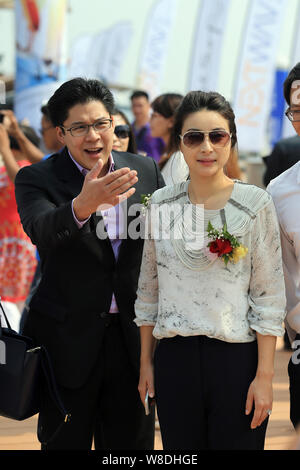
[[255, 77], [155, 47], [106, 53], [40, 54], [207, 45], [288, 129]]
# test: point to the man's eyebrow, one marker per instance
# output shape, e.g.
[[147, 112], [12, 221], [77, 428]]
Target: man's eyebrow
[[76, 123]]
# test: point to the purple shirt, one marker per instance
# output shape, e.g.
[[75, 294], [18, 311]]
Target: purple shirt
[[113, 220], [153, 146]]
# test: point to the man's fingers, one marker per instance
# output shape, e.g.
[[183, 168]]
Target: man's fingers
[[112, 179], [123, 187], [115, 185], [95, 171], [126, 195]]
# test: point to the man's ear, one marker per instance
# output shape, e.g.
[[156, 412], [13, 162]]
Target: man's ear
[[113, 125], [60, 134]]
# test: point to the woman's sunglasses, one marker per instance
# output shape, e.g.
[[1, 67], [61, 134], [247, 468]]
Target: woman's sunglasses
[[192, 139], [122, 132]]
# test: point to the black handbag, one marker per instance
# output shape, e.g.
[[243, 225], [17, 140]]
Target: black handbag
[[25, 371]]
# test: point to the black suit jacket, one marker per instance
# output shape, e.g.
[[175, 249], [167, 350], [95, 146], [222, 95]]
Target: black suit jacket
[[79, 270], [284, 155]]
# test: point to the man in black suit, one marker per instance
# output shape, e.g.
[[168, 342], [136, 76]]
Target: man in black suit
[[83, 309], [285, 154]]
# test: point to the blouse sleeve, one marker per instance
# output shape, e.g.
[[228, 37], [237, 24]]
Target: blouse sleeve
[[267, 290], [146, 304]]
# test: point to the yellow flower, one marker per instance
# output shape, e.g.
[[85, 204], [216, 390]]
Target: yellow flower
[[239, 252]]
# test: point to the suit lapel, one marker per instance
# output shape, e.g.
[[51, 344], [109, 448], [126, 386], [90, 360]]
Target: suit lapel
[[69, 174]]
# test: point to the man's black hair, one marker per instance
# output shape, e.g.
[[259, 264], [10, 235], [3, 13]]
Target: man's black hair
[[292, 76], [139, 94], [77, 91]]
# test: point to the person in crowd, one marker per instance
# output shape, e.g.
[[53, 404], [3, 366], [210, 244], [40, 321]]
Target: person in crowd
[[124, 140], [146, 144], [285, 154], [210, 300], [17, 254], [52, 145], [33, 153], [172, 164], [285, 191], [48, 132], [74, 208]]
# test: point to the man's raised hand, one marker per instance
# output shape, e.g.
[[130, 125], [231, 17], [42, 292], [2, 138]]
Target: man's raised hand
[[110, 190]]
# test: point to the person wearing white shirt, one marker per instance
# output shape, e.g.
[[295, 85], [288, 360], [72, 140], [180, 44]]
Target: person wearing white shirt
[[285, 191], [209, 308]]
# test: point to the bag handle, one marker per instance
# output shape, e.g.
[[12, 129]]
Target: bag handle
[[49, 375], [6, 319]]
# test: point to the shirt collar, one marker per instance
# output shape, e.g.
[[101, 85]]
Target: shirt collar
[[83, 170]]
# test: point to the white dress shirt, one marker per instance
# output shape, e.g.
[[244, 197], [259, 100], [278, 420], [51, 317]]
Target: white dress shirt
[[285, 191]]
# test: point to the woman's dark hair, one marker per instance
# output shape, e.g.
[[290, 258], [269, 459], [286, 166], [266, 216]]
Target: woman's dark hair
[[287, 85], [132, 143], [196, 101], [77, 91], [166, 105], [31, 135]]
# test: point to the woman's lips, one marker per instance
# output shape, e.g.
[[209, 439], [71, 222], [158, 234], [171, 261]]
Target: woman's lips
[[206, 162]]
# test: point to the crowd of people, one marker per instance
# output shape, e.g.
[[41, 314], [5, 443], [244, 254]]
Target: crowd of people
[[185, 313]]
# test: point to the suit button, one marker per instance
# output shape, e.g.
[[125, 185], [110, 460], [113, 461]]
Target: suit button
[[103, 315], [67, 232]]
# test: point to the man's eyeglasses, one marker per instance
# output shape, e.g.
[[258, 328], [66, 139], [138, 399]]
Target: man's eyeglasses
[[192, 139], [293, 115], [100, 127], [122, 132]]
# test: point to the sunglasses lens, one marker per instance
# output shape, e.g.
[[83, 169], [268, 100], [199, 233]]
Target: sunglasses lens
[[122, 132], [219, 138], [193, 139]]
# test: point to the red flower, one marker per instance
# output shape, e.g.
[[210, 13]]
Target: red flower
[[220, 246]]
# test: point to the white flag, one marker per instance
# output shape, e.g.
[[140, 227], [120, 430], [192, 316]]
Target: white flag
[[155, 48], [253, 93], [207, 45]]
